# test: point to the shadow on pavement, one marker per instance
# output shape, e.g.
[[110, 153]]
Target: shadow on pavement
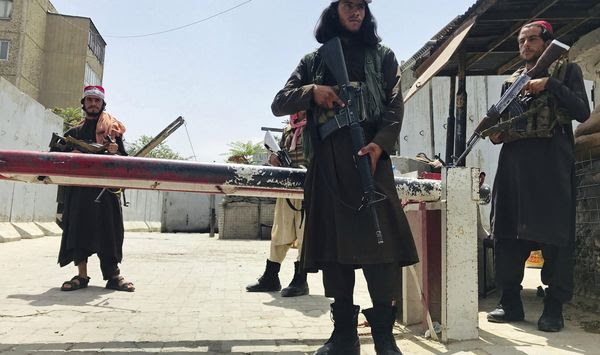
[[309, 305], [54, 296], [144, 347]]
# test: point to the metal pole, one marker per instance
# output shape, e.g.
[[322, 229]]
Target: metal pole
[[451, 121], [431, 121], [212, 218], [460, 133]]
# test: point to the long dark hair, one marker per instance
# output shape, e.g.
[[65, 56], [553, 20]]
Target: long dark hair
[[329, 26]]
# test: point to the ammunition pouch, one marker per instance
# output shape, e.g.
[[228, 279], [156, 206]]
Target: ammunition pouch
[[541, 114], [539, 120]]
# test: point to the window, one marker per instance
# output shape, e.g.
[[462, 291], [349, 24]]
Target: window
[[4, 50], [96, 45], [91, 78], [5, 8]]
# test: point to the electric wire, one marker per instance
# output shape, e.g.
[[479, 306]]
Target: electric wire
[[183, 26], [190, 140]]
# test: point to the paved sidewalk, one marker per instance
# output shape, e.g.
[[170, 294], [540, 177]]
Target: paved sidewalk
[[190, 297]]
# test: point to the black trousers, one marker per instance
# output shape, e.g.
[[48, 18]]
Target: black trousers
[[108, 265], [382, 281], [557, 272]]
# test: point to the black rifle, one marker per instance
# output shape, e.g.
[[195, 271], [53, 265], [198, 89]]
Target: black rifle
[[489, 124], [272, 146], [351, 115]]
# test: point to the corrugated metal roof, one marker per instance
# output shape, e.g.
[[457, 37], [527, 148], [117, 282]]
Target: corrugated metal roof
[[491, 46]]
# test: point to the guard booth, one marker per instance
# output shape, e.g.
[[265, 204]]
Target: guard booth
[[462, 68]]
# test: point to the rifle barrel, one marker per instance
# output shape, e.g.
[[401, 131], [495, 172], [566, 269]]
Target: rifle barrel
[[145, 150]]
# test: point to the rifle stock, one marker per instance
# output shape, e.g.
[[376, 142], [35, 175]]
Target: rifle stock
[[485, 127]]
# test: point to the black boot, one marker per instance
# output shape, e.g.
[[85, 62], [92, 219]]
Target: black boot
[[552, 317], [344, 339], [510, 308], [298, 286], [382, 319], [269, 281]]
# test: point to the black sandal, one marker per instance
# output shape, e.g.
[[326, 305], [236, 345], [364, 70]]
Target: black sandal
[[76, 283], [120, 284]]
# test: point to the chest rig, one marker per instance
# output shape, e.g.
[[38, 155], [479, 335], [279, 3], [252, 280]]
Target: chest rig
[[539, 115], [372, 104]]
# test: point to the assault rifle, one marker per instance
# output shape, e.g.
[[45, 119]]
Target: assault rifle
[[68, 144], [351, 115], [489, 124], [272, 146]]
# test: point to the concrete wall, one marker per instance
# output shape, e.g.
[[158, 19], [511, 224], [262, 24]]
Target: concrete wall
[[242, 217], [432, 101], [66, 55], [26, 31], [144, 210], [48, 53], [187, 212], [33, 46], [25, 125]]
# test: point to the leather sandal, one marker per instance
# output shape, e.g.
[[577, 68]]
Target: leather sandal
[[76, 283], [120, 284]]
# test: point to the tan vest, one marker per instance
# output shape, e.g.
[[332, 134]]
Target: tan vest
[[296, 155]]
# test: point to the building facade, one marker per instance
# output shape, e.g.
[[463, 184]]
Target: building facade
[[47, 55]]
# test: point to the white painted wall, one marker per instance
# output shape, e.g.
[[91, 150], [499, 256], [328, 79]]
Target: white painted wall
[[186, 212], [482, 92], [25, 125]]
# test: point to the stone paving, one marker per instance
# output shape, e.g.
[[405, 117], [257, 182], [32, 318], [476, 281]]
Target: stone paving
[[190, 298]]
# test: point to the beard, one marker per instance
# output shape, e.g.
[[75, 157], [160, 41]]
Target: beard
[[93, 114]]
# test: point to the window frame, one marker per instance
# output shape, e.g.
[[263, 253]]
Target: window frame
[[9, 8], [7, 49]]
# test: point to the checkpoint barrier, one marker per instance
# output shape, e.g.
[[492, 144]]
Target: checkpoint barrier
[[456, 197]]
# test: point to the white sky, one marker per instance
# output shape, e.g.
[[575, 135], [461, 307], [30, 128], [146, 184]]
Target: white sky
[[221, 75]]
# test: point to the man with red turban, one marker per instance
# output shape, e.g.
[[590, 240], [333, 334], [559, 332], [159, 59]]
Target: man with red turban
[[90, 227]]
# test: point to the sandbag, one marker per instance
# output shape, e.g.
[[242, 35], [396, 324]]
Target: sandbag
[[587, 146], [591, 125]]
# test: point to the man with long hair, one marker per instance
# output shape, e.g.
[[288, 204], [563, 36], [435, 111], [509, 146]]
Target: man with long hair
[[339, 235], [533, 200], [90, 227]]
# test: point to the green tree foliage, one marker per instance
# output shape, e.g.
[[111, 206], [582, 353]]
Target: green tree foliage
[[162, 151], [71, 116], [243, 153]]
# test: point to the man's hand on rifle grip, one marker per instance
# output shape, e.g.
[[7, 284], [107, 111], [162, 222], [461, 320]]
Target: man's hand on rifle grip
[[274, 160], [496, 137], [374, 151], [325, 96], [112, 148], [535, 86]]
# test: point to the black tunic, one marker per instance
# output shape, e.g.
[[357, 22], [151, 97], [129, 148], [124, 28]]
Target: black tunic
[[534, 191], [90, 227], [335, 231]]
